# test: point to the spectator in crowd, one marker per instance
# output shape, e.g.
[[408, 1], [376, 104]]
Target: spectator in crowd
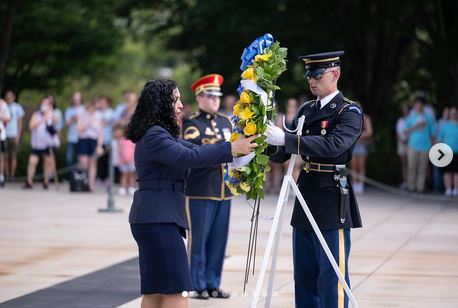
[[71, 118], [420, 129], [57, 113], [358, 162], [228, 104], [90, 140], [42, 125], [438, 177], [104, 106], [124, 113], [13, 133], [115, 140], [55, 144], [401, 137], [5, 117], [126, 167], [121, 108], [448, 134]]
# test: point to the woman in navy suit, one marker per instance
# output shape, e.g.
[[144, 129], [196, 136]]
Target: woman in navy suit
[[157, 217]]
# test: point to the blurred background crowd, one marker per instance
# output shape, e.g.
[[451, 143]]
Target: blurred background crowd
[[86, 53], [87, 131]]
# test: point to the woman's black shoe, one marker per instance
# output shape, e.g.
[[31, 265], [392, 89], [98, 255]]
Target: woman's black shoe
[[45, 186], [217, 293], [27, 185]]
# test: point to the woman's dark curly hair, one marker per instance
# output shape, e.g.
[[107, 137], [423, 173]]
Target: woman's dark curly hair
[[155, 107]]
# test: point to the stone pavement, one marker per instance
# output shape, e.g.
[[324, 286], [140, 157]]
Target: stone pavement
[[56, 250]]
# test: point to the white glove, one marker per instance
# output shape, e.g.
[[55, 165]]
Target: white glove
[[241, 161], [275, 135]]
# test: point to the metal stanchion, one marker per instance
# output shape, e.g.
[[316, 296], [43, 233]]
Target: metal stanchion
[[110, 188]]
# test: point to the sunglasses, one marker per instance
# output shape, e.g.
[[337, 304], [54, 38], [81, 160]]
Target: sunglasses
[[317, 74]]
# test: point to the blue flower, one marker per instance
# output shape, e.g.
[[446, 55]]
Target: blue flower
[[233, 181], [238, 129], [235, 120], [240, 89], [257, 47]]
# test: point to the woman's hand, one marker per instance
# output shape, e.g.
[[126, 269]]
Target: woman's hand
[[244, 145]]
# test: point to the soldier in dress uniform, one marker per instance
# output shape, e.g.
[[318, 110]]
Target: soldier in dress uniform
[[332, 126], [208, 197]]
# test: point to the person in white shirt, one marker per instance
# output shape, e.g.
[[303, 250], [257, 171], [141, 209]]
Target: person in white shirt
[[5, 116], [13, 133], [42, 125], [401, 137], [90, 140]]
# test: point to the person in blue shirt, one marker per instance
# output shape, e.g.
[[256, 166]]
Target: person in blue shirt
[[448, 134], [108, 119], [158, 216], [71, 118], [420, 129]]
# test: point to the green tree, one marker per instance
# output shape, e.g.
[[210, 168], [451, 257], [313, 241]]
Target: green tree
[[52, 40]]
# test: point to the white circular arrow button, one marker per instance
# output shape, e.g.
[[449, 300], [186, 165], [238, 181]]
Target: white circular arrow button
[[440, 155]]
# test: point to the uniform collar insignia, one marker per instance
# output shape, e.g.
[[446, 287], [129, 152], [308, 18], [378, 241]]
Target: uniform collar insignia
[[329, 109]]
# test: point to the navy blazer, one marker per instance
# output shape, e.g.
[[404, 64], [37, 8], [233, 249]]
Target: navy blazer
[[162, 164]]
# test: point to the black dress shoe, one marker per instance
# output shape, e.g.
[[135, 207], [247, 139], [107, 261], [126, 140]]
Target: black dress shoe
[[202, 294], [27, 185], [217, 293]]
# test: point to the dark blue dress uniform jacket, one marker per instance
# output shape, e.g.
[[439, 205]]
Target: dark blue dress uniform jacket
[[320, 190], [204, 128], [162, 163]]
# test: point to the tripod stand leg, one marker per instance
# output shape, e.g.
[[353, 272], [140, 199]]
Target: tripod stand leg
[[273, 264], [276, 225]]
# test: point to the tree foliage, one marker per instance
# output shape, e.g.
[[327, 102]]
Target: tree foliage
[[52, 40]]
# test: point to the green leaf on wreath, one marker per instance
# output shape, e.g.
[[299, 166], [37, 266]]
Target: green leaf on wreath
[[262, 159]]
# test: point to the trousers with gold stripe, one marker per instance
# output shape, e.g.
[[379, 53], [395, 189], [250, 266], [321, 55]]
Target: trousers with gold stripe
[[315, 282], [209, 225]]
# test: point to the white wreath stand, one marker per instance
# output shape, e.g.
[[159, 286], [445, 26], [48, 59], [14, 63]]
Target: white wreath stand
[[275, 234]]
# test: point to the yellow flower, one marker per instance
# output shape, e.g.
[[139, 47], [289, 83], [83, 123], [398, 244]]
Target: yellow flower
[[262, 58], [237, 109], [246, 114], [245, 187], [248, 74], [245, 98], [234, 136], [250, 129], [232, 173], [233, 190]]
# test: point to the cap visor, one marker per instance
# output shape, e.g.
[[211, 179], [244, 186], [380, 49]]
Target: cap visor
[[213, 92]]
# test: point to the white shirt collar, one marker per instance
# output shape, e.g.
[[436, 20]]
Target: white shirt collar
[[325, 100]]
